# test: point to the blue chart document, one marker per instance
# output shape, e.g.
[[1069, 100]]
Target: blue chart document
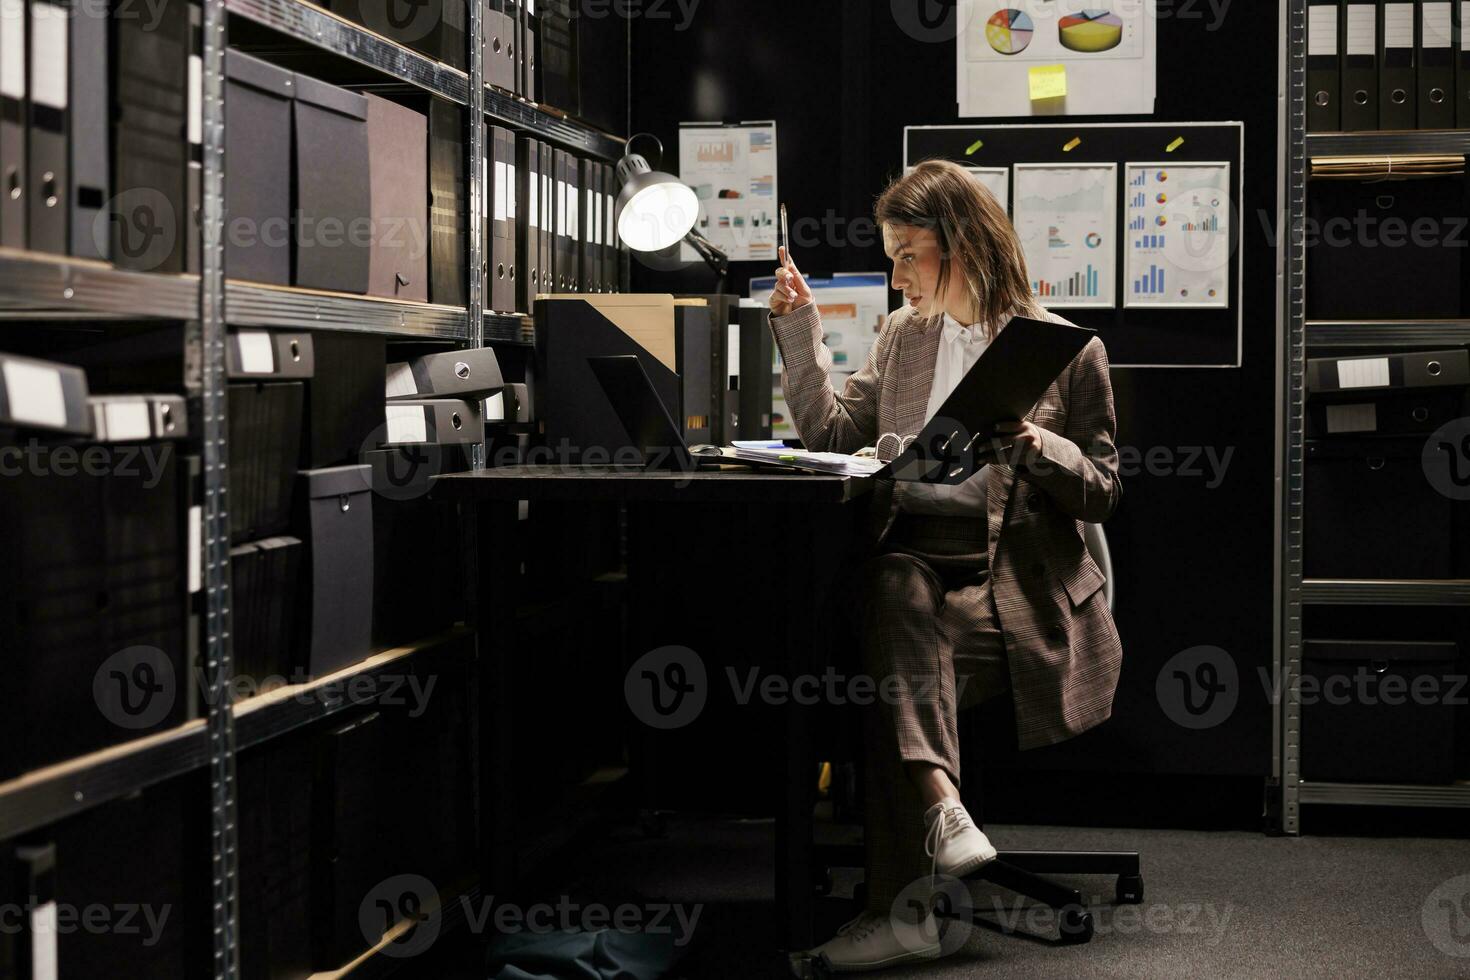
[[1178, 236], [1067, 218]]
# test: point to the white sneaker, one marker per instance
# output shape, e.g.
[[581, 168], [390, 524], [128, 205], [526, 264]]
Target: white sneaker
[[873, 941], [957, 846]]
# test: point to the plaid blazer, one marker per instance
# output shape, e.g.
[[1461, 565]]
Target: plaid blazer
[[1062, 646]]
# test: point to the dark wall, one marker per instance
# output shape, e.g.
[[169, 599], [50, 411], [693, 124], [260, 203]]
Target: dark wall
[[1193, 560]]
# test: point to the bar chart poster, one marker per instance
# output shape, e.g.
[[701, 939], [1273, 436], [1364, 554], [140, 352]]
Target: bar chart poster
[[1067, 219], [1178, 236]]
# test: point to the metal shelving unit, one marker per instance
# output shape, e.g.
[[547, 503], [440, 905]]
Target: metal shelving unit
[[257, 305], [34, 282], [1296, 335], [550, 125]]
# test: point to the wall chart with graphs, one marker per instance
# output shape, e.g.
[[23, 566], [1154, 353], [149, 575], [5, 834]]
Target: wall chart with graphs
[[1133, 231]]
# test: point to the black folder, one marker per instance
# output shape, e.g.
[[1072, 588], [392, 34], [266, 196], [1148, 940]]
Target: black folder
[[559, 220], [49, 108], [13, 187], [528, 197], [1359, 44], [499, 69], [1324, 66], [505, 141], [89, 161], [332, 200], [530, 32], [548, 216], [1397, 78], [446, 213], [1007, 381], [1436, 56], [558, 64], [513, 49], [609, 230], [500, 251], [194, 174], [574, 224], [1462, 70], [587, 226]]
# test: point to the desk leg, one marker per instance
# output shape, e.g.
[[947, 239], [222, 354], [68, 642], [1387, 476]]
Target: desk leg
[[497, 643], [816, 539]]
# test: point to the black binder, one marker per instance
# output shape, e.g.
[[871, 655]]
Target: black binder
[[574, 224], [530, 33], [528, 197], [587, 225], [500, 252], [1359, 44], [513, 50], [609, 231], [559, 219], [49, 108], [548, 216], [499, 69], [1397, 77], [13, 185], [1436, 64], [1324, 66], [1462, 69], [89, 162], [446, 213], [194, 174], [558, 64]]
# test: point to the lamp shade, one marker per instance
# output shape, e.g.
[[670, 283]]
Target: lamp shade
[[654, 210]]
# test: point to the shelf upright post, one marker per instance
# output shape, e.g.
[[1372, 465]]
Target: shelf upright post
[[475, 219], [218, 657]]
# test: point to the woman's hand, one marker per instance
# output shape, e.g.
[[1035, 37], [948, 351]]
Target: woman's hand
[[791, 292], [1019, 444]]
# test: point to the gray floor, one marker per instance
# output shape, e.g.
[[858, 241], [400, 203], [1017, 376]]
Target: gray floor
[[1217, 904]]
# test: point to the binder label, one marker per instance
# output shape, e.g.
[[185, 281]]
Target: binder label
[[35, 393], [126, 420], [196, 99], [196, 548], [12, 49], [561, 200], [533, 206], [1322, 31], [44, 927], [256, 353], [608, 212], [1398, 25], [400, 381], [500, 190], [1362, 30], [510, 191], [1438, 25], [407, 423], [48, 55], [1352, 418], [1363, 372]]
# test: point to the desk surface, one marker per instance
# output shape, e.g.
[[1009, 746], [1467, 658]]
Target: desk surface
[[729, 485]]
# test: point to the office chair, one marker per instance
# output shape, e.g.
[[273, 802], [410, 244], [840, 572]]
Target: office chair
[[1021, 871]]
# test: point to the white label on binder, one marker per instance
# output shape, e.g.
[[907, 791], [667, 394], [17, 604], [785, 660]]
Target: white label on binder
[[12, 49], [1438, 25], [44, 927], [546, 202], [495, 408], [533, 205], [400, 381], [407, 423], [510, 191], [1322, 30], [1352, 418], [596, 218], [485, 188], [499, 190], [48, 55], [127, 420], [257, 355], [1363, 372], [35, 393], [732, 350], [196, 99], [1362, 29], [574, 216], [196, 548], [1398, 25], [608, 216], [561, 209]]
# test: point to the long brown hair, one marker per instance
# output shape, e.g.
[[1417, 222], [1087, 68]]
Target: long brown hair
[[976, 240]]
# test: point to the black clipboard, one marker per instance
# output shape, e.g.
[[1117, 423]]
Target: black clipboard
[[1004, 384]]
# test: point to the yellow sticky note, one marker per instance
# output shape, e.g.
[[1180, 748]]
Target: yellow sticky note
[[1048, 82]]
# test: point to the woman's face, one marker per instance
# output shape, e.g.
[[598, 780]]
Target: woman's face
[[916, 263]]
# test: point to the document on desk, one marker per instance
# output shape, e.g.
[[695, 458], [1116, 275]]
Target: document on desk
[[841, 464]]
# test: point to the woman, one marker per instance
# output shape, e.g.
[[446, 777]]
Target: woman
[[973, 588]]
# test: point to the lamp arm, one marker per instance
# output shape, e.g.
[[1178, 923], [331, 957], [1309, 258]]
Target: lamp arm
[[710, 252]]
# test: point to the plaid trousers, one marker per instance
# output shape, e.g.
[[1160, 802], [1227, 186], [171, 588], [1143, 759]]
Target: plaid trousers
[[931, 641]]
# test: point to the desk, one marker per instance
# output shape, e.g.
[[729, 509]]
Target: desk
[[814, 523]]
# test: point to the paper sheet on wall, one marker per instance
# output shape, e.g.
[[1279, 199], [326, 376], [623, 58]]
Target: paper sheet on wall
[[732, 170], [997, 180], [1067, 220], [1108, 57], [1178, 237]]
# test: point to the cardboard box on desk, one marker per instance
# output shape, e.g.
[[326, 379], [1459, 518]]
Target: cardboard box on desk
[[332, 195], [258, 191], [571, 404]]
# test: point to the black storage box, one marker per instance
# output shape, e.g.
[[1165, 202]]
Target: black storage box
[[1379, 712], [344, 400], [265, 454], [264, 583], [692, 334], [1396, 413], [1386, 249], [398, 147], [1372, 513], [333, 204], [337, 525], [92, 610], [258, 191]]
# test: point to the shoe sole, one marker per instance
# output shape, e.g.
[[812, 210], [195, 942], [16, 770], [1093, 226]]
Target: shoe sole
[[971, 865], [917, 956]]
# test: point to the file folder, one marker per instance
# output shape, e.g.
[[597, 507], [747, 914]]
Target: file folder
[[398, 264], [258, 192], [1324, 66], [587, 225], [510, 287], [150, 153], [1398, 78], [331, 177], [1462, 65], [436, 421], [498, 68], [513, 45], [1419, 369], [1360, 67], [510, 406], [560, 264], [1436, 64], [500, 287], [265, 453], [609, 231], [446, 210], [530, 33], [558, 65], [528, 245], [49, 106], [14, 188], [453, 374], [137, 418], [574, 224], [344, 400], [43, 395], [194, 179], [89, 161], [269, 355]]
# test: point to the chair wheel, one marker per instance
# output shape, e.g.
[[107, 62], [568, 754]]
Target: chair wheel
[[1130, 889], [1076, 925]]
